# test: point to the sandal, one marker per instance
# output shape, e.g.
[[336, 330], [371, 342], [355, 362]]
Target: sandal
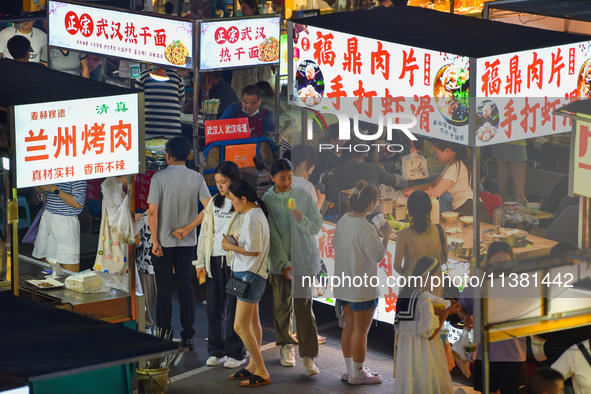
[[254, 381], [241, 375]]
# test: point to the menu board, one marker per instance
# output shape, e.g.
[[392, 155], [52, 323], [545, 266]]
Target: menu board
[[127, 35], [369, 79], [231, 43], [517, 92], [72, 140]]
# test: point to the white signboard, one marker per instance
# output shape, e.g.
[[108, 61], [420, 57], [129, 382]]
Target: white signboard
[[126, 35], [582, 159], [72, 140], [239, 42], [385, 78], [517, 92]]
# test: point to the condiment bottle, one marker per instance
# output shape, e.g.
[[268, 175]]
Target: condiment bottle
[[435, 211]]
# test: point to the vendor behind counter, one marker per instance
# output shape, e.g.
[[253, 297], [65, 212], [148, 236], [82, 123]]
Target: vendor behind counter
[[260, 119]]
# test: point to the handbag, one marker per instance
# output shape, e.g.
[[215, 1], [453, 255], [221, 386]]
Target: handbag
[[237, 287], [31, 234]]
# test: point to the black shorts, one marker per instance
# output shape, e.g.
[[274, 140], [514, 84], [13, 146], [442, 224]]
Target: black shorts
[[509, 377]]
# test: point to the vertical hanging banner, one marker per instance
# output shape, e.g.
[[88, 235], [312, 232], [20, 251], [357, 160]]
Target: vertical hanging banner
[[127, 35], [582, 159], [72, 140]]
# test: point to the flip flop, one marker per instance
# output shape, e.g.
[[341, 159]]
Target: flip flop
[[241, 375], [254, 381]]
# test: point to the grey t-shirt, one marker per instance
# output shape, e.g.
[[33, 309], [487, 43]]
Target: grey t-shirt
[[68, 63], [177, 190]]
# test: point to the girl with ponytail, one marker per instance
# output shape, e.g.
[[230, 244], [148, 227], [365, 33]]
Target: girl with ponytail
[[422, 238], [249, 250]]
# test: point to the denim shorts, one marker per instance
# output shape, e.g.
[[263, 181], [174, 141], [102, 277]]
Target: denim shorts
[[257, 286], [359, 306]]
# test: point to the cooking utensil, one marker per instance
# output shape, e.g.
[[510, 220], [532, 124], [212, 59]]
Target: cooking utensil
[[514, 237]]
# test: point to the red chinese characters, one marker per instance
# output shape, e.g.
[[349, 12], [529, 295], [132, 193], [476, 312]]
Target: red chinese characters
[[409, 65], [508, 118], [233, 35], [387, 102], [325, 243], [352, 61], [514, 78], [584, 136], [535, 71], [94, 138], [35, 145], [121, 136], [491, 83], [67, 140], [526, 112], [362, 93], [336, 91], [423, 111], [323, 53], [380, 60], [557, 66], [220, 35], [547, 111]]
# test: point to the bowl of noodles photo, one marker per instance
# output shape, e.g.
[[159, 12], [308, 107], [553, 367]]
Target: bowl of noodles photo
[[584, 80], [452, 92], [487, 120], [176, 53], [269, 50], [310, 83]]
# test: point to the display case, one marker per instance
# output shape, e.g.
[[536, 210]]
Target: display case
[[462, 7]]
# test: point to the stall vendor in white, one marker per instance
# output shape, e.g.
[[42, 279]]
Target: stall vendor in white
[[59, 229], [37, 38]]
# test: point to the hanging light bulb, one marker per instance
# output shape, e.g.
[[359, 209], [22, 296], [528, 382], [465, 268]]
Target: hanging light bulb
[[159, 75]]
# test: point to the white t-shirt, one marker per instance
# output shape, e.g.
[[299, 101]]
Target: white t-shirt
[[37, 38], [255, 237], [460, 191], [573, 364], [221, 221], [305, 184], [358, 250]]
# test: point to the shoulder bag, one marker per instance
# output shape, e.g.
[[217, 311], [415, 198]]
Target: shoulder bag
[[238, 288]]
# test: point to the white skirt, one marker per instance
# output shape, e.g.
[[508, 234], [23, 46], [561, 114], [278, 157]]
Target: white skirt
[[58, 238]]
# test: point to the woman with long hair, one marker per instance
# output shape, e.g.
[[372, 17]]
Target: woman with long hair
[[249, 255], [456, 179], [422, 238], [223, 344]]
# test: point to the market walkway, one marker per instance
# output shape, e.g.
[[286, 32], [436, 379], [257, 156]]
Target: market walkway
[[191, 375]]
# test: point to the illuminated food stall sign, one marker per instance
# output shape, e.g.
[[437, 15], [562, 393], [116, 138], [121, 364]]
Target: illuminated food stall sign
[[381, 78], [226, 129], [239, 42], [582, 159], [65, 141], [517, 92], [127, 35]]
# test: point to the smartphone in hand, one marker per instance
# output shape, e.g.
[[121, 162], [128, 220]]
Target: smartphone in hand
[[230, 239]]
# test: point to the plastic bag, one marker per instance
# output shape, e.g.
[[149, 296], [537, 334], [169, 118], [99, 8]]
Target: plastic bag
[[122, 224], [464, 352], [414, 166]]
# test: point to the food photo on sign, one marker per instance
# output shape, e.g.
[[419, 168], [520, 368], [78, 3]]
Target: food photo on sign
[[310, 82], [451, 89], [487, 120]]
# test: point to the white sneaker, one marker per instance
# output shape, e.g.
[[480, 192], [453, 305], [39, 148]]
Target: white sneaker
[[345, 376], [366, 377], [287, 356], [233, 363], [212, 361], [310, 366]]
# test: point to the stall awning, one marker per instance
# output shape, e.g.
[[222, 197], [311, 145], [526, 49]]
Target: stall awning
[[434, 30], [582, 107], [575, 10], [27, 83]]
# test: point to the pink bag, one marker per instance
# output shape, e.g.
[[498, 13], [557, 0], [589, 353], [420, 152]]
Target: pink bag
[[31, 234]]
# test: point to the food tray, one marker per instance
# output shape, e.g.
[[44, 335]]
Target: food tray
[[45, 283]]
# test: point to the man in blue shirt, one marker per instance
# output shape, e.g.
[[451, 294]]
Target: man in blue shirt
[[260, 119]]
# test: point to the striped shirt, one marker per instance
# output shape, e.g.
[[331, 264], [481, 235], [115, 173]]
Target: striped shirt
[[162, 99], [56, 205]]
